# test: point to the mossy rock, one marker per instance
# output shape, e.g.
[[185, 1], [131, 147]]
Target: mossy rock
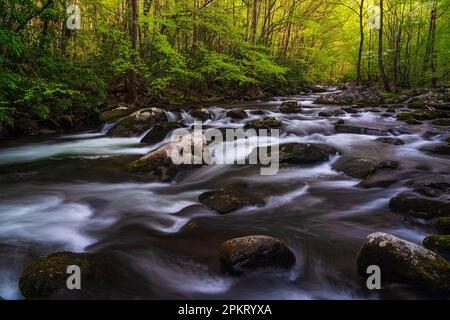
[[442, 225], [441, 122], [116, 113], [201, 114], [403, 261], [230, 198], [417, 104], [420, 207], [290, 107], [138, 122], [346, 128], [160, 131], [361, 168], [305, 153], [390, 140], [246, 254], [236, 113], [438, 243], [264, 123], [440, 148], [409, 116]]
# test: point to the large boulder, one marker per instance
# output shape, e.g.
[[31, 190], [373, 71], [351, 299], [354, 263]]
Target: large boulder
[[361, 168], [241, 255], [230, 198], [236, 113], [420, 207], [305, 153], [290, 107], [403, 261], [47, 276], [160, 131], [201, 114], [159, 164], [264, 123], [118, 112], [438, 243], [138, 122], [358, 96]]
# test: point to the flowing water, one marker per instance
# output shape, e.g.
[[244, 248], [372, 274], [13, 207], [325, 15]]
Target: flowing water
[[71, 192]]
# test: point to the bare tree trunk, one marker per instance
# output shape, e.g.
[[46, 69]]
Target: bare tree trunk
[[380, 52], [255, 21], [361, 42]]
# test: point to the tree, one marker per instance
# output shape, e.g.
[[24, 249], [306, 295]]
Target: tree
[[380, 51]]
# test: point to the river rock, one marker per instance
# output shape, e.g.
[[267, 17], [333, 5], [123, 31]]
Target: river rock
[[383, 178], [118, 112], [201, 114], [305, 153], [438, 243], [441, 122], [290, 107], [420, 207], [46, 277], [138, 122], [440, 148], [331, 113], [160, 131], [258, 112], [360, 96], [442, 225], [349, 110], [403, 261], [390, 140], [158, 164], [347, 128], [434, 186], [360, 168], [241, 255], [236, 113], [230, 198], [264, 123]]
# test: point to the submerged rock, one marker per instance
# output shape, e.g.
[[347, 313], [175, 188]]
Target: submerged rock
[[420, 207], [305, 153], [381, 179], [160, 131], [230, 198], [265, 123], [138, 122], [47, 276], [403, 261], [331, 113], [390, 140], [442, 225], [441, 148], [360, 168], [158, 164], [236, 113], [241, 255], [119, 112], [349, 110], [290, 107], [434, 186], [360, 96], [346, 128], [438, 243]]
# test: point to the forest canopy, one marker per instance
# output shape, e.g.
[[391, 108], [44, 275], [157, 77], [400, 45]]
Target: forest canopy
[[179, 50]]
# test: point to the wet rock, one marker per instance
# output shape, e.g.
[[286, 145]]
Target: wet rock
[[441, 148], [265, 123], [383, 178], [360, 96], [432, 187], [119, 112], [438, 243], [331, 113], [420, 207], [346, 128], [47, 276], [258, 112], [361, 168], [160, 131], [441, 122], [230, 198], [349, 110], [241, 255], [390, 140], [442, 225], [403, 261], [236, 113], [201, 114], [290, 107], [159, 164], [317, 89], [305, 153], [138, 122]]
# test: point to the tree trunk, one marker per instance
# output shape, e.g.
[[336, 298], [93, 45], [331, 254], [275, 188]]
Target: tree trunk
[[132, 78], [361, 43], [380, 52]]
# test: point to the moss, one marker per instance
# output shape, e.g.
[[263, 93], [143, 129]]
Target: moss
[[442, 225], [110, 115], [441, 122], [438, 243], [417, 104]]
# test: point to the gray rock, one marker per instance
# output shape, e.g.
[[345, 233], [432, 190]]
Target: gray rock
[[138, 122], [290, 107], [420, 207], [361, 168], [236, 113]]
